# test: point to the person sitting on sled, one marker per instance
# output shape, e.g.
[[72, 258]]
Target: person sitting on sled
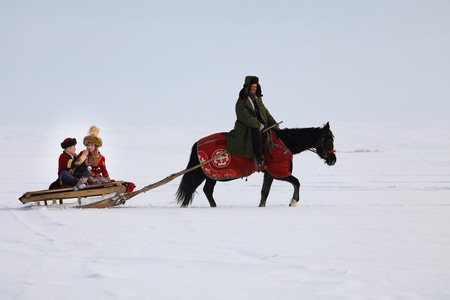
[[252, 117], [69, 171], [95, 160]]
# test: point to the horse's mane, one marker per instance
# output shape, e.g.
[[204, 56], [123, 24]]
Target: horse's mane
[[299, 139]]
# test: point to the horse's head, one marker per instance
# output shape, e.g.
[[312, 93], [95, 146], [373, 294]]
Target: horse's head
[[325, 146]]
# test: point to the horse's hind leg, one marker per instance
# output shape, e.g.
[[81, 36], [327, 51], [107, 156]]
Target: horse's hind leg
[[188, 185], [267, 183], [208, 189]]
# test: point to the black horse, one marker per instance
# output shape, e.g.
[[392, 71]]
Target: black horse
[[318, 140]]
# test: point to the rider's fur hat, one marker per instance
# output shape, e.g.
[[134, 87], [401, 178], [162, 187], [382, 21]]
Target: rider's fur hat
[[93, 137], [249, 80], [68, 142]]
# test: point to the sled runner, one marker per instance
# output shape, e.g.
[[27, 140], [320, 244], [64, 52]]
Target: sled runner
[[93, 196]]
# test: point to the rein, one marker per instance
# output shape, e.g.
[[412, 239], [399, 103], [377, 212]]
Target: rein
[[325, 152]]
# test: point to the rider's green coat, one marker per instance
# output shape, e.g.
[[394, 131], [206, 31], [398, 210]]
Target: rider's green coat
[[239, 140]]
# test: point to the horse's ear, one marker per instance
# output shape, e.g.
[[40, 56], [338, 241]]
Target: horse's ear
[[327, 126]]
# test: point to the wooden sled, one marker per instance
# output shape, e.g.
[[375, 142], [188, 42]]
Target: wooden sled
[[93, 196]]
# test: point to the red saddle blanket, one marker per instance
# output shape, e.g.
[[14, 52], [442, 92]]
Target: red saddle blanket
[[278, 160]]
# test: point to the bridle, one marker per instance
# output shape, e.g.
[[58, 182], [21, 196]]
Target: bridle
[[322, 144]]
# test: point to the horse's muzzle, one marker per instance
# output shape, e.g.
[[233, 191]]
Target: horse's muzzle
[[331, 159]]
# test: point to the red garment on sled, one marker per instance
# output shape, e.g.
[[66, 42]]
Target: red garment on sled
[[229, 166]]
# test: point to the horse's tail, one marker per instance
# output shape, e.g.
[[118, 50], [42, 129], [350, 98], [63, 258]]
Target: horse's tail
[[190, 181]]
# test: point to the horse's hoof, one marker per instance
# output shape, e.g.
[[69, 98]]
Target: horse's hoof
[[293, 203]]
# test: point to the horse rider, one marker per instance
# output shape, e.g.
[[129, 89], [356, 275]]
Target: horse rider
[[252, 117]]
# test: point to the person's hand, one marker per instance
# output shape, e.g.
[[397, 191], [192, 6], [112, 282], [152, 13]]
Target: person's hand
[[261, 127], [85, 152]]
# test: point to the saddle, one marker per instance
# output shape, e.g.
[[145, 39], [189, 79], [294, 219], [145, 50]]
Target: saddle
[[277, 158]]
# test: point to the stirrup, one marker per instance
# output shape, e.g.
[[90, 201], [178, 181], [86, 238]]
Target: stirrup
[[261, 166]]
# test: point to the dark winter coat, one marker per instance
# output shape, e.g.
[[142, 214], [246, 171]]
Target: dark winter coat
[[239, 140]]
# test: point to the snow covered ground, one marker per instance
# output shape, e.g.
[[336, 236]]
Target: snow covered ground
[[374, 226], [155, 76]]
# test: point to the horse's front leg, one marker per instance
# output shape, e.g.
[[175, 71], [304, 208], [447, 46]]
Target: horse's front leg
[[267, 183], [296, 184]]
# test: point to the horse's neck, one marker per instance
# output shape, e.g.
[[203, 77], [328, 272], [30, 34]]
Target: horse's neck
[[299, 139]]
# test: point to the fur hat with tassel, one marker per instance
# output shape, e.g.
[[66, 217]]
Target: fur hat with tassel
[[93, 137]]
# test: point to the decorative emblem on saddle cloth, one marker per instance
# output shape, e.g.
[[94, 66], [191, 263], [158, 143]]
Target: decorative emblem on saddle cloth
[[223, 160], [217, 169]]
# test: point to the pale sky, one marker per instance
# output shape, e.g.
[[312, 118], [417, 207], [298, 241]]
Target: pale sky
[[183, 62]]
